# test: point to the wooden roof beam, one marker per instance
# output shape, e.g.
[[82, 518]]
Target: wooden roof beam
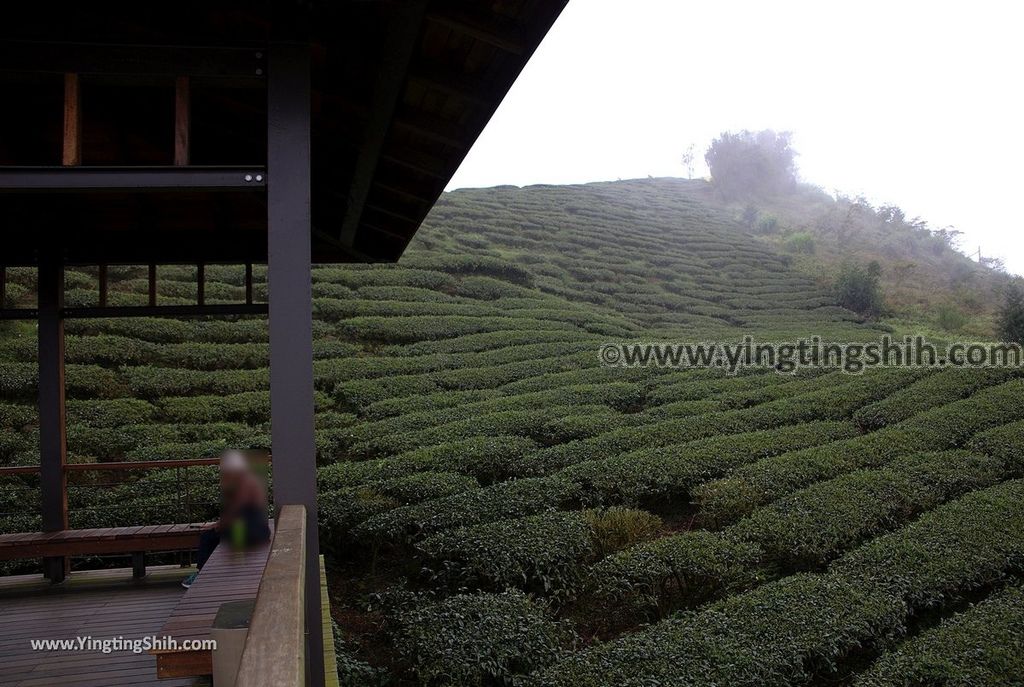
[[434, 128], [504, 35], [403, 38], [465, 86]]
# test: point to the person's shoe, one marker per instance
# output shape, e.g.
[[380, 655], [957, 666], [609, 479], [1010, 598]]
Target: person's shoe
[[187, 582]]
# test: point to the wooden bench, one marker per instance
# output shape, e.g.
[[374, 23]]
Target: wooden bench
[[228, 575], [136, 541]]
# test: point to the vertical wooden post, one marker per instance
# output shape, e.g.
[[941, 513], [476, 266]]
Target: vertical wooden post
[[248, 283], [289, 274], [52, 430], [72, 153], [200, 284], [182, 120], [103, 286]]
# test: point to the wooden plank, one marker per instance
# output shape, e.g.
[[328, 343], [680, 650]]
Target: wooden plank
[[275, 648], [98, 541], [114, 607], [330, 654], [184, 664], [72, 149]]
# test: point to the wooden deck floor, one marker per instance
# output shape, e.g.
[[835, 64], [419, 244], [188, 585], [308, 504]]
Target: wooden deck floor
[[103, 604]]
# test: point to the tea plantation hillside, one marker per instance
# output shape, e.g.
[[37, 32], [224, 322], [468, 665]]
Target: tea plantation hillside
[[498, 507]]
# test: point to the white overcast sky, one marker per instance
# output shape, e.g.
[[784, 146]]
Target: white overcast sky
[[913, 103]]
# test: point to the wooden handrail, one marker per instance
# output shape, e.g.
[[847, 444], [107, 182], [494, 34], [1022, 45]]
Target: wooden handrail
[[125, 466], [275, 647]]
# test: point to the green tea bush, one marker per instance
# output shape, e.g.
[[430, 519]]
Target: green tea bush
[[948, 552], [209, 356], [166, 330], [424, 327], [542, 552], [778, 634], [17, 415], [1003, 442], [477, 639], [686, 569], [110, 413], [979, 646], [945, 427], [545, 552], [391, 407], [500, 501], [943, 387], [830, 403], [487, 458], [251, 407], [529, 423], [407, 276], [465, 264], [811, 527], [664, 476], [787, 631], [108, 351], [615, 395], [339, 310], [342, 509], [161, 382], [489, 289], [487, 341]]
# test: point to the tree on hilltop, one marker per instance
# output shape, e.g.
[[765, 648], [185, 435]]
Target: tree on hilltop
[[1010, 318], [751, 163]]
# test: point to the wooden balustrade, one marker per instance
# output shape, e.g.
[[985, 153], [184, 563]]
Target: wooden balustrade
[[275, 648]]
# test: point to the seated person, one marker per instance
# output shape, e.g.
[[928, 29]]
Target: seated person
[[243, 520]]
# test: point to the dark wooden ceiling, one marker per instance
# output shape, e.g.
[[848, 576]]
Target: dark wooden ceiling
[[401, 90]]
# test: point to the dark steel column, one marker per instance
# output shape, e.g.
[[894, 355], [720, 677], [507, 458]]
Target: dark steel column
[[52, 431], [291, 310]]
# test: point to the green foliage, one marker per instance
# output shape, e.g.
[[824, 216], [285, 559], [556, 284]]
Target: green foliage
[[943, 387], [775, 635], [352, 670], [501, 501], [616, 528], [1010, 318], [752, 163], [944, 427], [980, 646], [681, 570], [950, 318], [479, 639], [342, 509], [811, 527], [857, 288], [800, 242], [542, 552], [787, 631]]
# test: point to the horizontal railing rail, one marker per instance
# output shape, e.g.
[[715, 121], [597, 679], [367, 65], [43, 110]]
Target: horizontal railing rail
[[126, 466], [275, 647]]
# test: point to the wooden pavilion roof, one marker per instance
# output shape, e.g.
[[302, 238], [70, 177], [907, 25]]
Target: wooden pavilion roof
[[401, 90]]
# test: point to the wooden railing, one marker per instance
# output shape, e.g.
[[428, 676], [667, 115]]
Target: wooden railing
[[125, 466], [275, 648], [187, 508]]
